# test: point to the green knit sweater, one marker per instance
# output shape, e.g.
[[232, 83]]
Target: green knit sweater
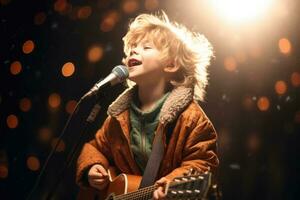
[[143, 126]]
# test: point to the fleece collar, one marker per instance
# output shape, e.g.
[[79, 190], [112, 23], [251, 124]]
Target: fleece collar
[[175, 103]]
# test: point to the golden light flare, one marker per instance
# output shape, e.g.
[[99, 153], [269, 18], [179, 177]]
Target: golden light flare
[[240, 11], [60, 145], [263, 103], [33, 163], [40, 18], [240, 56], [12, 121], [54, 100], [68, 69], [95, 53], [25, 104], [130, 6], [151, 4], [284, 46], [84, 12], [15, 67], [295, 79], [109, 21], [28, 47], [44, 134], [230, 63], [280, 87], [70, 107]]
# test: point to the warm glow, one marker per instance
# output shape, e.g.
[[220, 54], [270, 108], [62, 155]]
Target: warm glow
[[28, 47], [295, 79], [95, 53], [109, 21], [263, 103], [40, 18], [12, 121], [25, 104], [44, 134], [4, 2], [241, 10], [3, 171], [15, 67], [230, 63], [240, 56], [280, 87], [284, 46], [255, 51], [84, 12], [61, 145], [54, 100], [130, 6], [151, 4], [68, 69], [33, 163], [70, 107]]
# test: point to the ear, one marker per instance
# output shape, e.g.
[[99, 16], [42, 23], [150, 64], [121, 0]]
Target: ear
[[171, 68]]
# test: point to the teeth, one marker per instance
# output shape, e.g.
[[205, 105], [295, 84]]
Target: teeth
[[134, 62]]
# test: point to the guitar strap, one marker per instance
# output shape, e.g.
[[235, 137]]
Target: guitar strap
[[154, 161]]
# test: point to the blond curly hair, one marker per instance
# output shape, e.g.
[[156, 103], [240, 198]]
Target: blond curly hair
[[189, 51]]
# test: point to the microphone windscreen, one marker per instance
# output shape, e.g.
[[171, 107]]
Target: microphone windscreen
[[121, 72]]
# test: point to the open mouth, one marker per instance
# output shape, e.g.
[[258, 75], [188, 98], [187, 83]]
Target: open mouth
[[133, 62]]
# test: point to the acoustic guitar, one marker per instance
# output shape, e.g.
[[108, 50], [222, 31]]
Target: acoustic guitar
[[125, 187]]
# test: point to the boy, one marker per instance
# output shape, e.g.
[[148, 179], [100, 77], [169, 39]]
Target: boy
[[168, 65]]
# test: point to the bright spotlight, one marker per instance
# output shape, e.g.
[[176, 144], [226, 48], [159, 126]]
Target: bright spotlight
[[241, 10]]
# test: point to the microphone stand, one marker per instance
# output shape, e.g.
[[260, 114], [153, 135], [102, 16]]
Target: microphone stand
[[71, 155]]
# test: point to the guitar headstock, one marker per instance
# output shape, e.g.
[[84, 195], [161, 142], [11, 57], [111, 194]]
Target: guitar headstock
[[191, 186]]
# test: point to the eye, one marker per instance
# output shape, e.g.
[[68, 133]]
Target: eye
[[147, 47]]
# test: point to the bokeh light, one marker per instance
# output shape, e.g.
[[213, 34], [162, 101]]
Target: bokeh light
[[15, 67], [28, 47], [84, 12], [95, 53], [54, 100], [130, 6], [285, 46], [263, 103], [280, 87], [3, 171], [295, 79], [12, 121], [4, 2], [44, 134], [297, 117], [247, 103], [70, 107], [109, 21], [33, 163], [230, 63], [68, 69], [61, 145], [40, 18], [60, 6], [25, 104], [151, 4]]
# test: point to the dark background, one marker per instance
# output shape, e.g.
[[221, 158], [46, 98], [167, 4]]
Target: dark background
[[252, 99]]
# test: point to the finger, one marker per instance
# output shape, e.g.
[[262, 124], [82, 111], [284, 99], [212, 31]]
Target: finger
[[99, 180], [155, 195], [101, 169], [160, 193]]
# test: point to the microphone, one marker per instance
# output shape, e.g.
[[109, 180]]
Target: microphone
[[118, 74]]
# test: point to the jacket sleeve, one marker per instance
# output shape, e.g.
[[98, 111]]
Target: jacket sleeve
[[199, 150], [94, 152]]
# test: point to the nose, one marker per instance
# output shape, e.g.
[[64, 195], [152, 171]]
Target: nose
[[133, 51]]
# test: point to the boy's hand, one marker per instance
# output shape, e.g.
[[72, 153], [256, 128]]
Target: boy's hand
[[98, 177], [159, 192]]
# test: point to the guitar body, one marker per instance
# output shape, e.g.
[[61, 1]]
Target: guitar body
[[121, 184], [193, 187]]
